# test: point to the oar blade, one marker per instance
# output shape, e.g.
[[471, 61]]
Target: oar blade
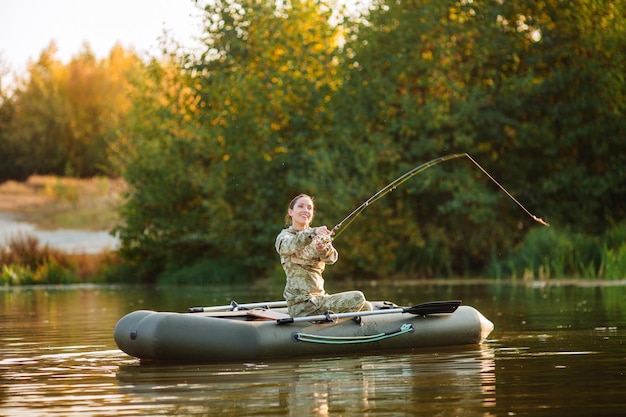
[[434, 307]]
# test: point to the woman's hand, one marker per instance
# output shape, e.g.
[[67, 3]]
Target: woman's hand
[[321, 231], [322, 238], [321, 242]]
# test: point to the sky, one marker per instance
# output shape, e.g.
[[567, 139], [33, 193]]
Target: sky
[[28, 26]]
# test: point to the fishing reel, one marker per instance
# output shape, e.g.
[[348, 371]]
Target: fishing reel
[[325, 239]]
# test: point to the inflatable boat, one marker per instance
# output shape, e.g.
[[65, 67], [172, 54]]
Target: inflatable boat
[[262, 331]]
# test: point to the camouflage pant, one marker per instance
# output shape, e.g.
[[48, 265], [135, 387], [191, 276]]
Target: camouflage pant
[[343, 302]]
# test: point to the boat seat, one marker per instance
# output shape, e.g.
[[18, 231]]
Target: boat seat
[[267, 314], [262, 314]]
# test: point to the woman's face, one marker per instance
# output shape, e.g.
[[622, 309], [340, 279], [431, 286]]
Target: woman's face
[[301, 213]]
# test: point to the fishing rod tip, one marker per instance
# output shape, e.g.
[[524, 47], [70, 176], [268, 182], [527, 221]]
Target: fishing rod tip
[[541, 221]]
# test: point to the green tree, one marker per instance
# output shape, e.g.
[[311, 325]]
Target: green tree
[[219, 143], [525, 87], [281, 101], [174, 212], [40, 119], [566, 109], [7, 111], [62, 118], [270, 71], [400, 104]]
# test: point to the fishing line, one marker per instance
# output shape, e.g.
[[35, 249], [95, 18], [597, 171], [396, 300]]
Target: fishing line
[[535, 218], [342, 225]]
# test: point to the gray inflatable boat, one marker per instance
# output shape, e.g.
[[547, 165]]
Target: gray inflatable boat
[[259, 331]]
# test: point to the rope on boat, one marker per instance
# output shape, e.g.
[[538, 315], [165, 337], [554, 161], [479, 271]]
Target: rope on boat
[[343, 340]]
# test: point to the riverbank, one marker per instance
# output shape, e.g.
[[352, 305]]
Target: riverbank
[[50, 202], [65, 240], [74, 217], [56, 230]]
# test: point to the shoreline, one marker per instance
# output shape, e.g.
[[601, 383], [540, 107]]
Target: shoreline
[[51, 203], [72, 215], [71, 241]]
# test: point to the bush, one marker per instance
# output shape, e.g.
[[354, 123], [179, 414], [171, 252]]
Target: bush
[[25, 261], [551, 253], [25, 249], [108, 267], [206, 271], [51, 272]]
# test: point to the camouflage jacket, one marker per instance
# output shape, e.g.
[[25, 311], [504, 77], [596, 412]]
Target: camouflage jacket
[[303, 263]]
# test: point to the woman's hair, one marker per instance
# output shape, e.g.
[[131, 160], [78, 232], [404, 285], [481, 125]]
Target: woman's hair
[[292, 203]]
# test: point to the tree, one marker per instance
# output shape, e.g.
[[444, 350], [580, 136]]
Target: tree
[[567, 119], [64, 117], [174, 203], [500, 81], [230, 137], [281, 101]]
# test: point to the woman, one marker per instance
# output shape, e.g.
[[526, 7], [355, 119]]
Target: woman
[[304, 252]]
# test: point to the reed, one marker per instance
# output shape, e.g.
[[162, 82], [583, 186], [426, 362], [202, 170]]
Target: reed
[[557, 253], [24, 261], [614, 263]]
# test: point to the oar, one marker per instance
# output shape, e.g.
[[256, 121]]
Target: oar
[[432, 307], [233, 306]]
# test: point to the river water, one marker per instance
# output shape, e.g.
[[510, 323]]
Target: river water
[[557, 350], [67, 240]]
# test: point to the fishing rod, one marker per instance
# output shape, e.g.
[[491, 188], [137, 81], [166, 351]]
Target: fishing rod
[[341, 226]]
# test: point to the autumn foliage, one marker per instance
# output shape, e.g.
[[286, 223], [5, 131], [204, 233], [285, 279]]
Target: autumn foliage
[[304, 96]]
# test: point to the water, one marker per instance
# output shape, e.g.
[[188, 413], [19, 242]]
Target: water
[[557, 350], [67, 240]]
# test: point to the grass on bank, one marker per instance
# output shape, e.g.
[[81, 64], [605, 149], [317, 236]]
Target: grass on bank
[[24, 261], [52, 202], [544, 255], [548, 253]]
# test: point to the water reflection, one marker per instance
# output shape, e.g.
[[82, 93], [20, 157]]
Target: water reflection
[[64, 384], [556, 350], [569, 371], [424, 383]]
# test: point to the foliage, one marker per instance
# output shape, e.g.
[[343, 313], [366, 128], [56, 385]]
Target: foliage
[[282, 101], [519, 86], [615, 263], [61, 118], [254, 99], [173, 212], [548, 253], [16, 275], [26, 250], [49, 272], [404, 105], [302, 96], [553, 254], [24, 261], [568, 114], [614, 252], [206, 271]]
